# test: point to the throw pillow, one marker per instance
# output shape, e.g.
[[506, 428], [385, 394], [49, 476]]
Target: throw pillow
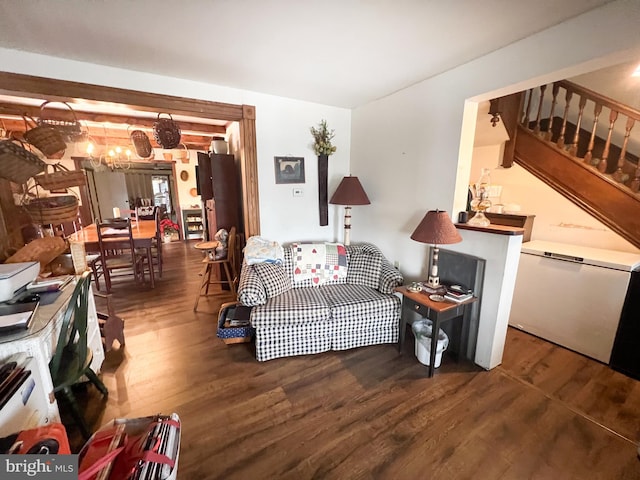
[[274, 278], [364, 267]]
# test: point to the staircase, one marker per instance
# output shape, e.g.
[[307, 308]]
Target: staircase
[[592, 166]]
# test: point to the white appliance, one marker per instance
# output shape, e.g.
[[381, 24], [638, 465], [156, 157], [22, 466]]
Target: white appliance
[[572, 295], [14, 276], [27, 407]]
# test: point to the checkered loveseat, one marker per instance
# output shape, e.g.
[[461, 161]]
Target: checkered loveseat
[[294, 317]]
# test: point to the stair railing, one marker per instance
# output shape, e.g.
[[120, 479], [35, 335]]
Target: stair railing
[[605, 147]]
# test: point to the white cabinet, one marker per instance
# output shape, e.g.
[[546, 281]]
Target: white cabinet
[[39, 342]]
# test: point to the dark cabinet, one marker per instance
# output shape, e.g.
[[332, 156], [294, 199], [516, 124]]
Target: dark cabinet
[[218, 182]]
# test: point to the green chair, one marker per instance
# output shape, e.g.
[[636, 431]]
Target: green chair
[[72, 358]]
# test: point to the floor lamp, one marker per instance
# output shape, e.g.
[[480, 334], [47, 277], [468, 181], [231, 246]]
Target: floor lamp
[[436, 228], [348, 193]]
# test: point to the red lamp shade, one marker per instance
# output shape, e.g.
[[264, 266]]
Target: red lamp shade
[[350, 192], [436, 228]]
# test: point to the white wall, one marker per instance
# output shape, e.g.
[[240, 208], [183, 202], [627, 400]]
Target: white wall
[[557, 219], [410, 148], [282, 128]]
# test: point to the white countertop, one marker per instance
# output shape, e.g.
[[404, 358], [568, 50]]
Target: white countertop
[[600, 257]]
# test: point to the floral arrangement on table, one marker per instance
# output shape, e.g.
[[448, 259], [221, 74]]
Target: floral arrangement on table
[[322, 137], [169, 229]]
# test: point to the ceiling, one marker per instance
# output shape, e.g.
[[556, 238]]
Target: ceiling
[[334, 52]]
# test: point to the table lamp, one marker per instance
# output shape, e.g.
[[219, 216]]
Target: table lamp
[[348, 193], [436, 228]]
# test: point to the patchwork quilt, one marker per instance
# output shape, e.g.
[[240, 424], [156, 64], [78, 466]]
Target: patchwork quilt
[[319, 262]]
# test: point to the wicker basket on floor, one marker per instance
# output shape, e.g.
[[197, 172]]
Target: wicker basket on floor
[[53, 210], [60, 177]]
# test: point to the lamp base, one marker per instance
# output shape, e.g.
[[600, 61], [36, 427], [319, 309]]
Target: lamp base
[[433, 285]]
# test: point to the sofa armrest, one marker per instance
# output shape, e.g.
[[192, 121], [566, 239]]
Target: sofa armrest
[[251, 292], [390, 277]]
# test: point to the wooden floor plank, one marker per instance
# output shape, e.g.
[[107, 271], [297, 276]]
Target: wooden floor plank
[[364, 413]]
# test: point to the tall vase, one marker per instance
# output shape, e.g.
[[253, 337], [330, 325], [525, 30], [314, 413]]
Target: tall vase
[[323, 170]]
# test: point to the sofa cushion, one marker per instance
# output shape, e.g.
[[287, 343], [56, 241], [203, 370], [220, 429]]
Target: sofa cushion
[[296, 339], [250, 288], [274, 278], [362, 316], [365, 263], [298, 305]]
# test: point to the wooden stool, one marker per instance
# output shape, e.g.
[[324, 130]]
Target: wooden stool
[[208, 270]]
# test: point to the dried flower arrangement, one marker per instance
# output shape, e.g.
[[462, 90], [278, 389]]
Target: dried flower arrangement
[[322, 137]]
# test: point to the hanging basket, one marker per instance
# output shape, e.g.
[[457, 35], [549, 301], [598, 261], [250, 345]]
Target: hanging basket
[[141, 144], [45, 138], [53, 210], [60, 177], [182, 154], [17, 163], [166, 132], [69, 129]]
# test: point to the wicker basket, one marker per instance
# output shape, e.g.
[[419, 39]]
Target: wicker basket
[[182, 155], [141, 144], [17, 163], [70, 129], [45, 138], [53, 210], [166, 132], [60, 178]]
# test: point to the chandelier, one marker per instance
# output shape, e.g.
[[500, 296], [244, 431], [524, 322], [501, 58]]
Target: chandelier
[[114, 157]]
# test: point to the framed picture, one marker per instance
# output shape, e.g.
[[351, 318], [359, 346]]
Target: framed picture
[[289, 169]]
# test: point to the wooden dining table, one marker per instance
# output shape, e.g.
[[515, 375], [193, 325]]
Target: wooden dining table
[[144, 231]]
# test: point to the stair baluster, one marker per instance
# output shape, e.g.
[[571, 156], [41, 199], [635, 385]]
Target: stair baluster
[[619, 175], [567, 105], [635, 183], [573, 149], [525, 116], [536, 128], [602, 165], [596, 114], [554, 91]]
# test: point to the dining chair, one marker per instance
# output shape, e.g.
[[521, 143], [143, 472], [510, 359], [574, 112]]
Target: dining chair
[[227, 263], [111, 325], [156, 245], [71, 361], [117, 252]]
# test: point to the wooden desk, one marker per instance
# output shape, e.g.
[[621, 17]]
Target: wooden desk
[[144, 231], [437, 312]]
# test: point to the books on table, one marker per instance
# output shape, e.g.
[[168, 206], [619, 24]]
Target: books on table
[[49, 284], [16, 316], [458, 294]]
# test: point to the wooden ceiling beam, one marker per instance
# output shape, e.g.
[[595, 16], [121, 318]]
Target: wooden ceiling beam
[[55, 114], [63, 90], [117, 136]]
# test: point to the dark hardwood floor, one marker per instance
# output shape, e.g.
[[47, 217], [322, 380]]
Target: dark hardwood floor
[[545, 413]]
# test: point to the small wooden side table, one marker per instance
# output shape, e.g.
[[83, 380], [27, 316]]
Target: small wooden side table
[[437, 312]]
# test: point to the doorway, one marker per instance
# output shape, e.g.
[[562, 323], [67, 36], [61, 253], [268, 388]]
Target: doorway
[[61, 90], [152, 184]]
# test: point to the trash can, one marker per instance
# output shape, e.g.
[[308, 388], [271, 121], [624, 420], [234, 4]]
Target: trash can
[[422, 331]]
